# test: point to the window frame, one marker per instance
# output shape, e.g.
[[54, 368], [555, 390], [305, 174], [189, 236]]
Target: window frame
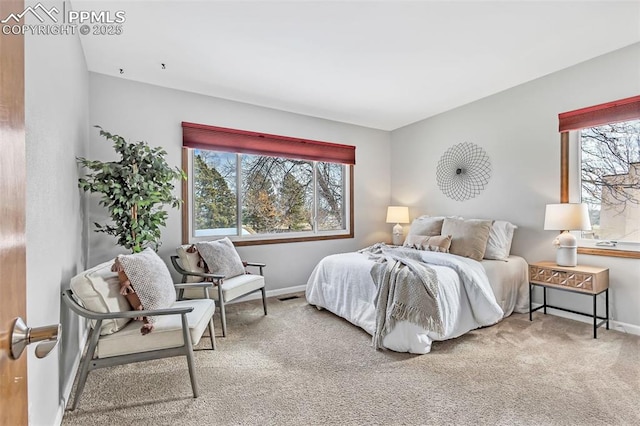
[[238, 240], [569, 125]]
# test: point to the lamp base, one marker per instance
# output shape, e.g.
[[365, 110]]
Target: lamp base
[[567, 256], [398, 235]]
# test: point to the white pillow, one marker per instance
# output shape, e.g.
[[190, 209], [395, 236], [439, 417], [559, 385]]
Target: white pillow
[[221, 257], [190, 260], [98, 290], [500, 238], [150, 278]]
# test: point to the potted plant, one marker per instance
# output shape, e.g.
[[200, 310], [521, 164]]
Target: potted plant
[[134, 190]]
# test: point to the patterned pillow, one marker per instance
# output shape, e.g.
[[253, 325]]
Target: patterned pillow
[[440, 243], [151, 280], [221, 257]]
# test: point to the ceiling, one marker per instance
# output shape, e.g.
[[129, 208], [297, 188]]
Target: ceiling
[[379, 64]]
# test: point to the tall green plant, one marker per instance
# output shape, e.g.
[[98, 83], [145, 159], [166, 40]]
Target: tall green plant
[[134, 190]]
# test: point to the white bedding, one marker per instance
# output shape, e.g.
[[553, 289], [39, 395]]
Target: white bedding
[[487, 292]]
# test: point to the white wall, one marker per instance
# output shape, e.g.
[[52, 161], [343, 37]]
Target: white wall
[[518, 128], [139, 111], [57, 106]]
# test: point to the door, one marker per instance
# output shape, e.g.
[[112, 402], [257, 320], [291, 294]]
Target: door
[[13, 374]]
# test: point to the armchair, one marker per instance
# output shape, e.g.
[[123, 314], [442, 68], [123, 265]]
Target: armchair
[[229, 289], [115, 340]]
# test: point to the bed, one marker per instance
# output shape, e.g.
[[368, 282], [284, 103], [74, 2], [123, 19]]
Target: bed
[[470, 293]]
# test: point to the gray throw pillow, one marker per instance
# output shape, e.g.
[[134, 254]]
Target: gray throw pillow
[[426, 226], [468, 237], [150, 278], [221, 257]]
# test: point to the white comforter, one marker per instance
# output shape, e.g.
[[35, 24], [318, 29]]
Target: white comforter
[[343, 284]]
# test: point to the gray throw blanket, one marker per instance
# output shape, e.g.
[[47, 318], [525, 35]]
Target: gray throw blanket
[[407, 291]]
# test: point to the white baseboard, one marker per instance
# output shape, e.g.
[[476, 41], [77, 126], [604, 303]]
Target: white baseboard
[[59, 414], [66, 392], [613, 325], [271, 293]]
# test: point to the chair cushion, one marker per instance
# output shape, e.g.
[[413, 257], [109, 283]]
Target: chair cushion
[[150, 278], [98, 290], [232, 288], [235, 287], [221, 257], [167, 331], [190, 261]]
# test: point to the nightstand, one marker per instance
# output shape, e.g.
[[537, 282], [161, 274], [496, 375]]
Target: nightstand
[[589, 280]]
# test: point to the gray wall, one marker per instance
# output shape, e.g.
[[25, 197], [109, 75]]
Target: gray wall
[[139, 111], [518, 128], [57, 118]]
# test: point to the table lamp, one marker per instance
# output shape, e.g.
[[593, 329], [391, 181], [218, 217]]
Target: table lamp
[[567, 217], [397, 215]]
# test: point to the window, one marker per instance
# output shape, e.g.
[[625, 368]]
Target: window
[[610, 181], [604, 143], [235, 190]]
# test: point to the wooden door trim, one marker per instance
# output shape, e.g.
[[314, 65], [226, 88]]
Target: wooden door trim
[[13, 374]]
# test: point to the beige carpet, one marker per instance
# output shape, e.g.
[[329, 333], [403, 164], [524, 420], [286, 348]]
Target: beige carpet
[[301, 366]]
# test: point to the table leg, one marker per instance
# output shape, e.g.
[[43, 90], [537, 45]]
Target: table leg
[[530, 306], [606, 298], [595, 319], [544, 299]]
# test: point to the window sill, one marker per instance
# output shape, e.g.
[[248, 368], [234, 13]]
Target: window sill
[[630, 254], [248, 242], [239, 242]]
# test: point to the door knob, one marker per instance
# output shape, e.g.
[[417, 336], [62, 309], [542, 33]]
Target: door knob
[[23, 336]]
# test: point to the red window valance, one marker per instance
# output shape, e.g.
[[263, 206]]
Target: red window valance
[[231, 140], [610, 112]]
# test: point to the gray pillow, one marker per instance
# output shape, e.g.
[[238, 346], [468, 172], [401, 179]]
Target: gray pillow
[[221, 257], [150, 278], [468, 237], [426, 226]]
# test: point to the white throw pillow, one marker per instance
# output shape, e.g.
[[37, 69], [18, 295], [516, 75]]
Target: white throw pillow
[[221, 257], [190, 261], [98, 290], [500, 238], [150, 278]]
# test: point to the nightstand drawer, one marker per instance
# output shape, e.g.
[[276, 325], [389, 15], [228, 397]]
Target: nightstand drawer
[[563, 278], [586, 279]]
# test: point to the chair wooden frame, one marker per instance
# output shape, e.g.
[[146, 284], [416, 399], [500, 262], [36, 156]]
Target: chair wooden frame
[[89, 362], [217, 280]]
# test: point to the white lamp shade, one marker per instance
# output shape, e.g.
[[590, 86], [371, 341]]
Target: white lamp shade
[[567, 217], [397, 214]]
